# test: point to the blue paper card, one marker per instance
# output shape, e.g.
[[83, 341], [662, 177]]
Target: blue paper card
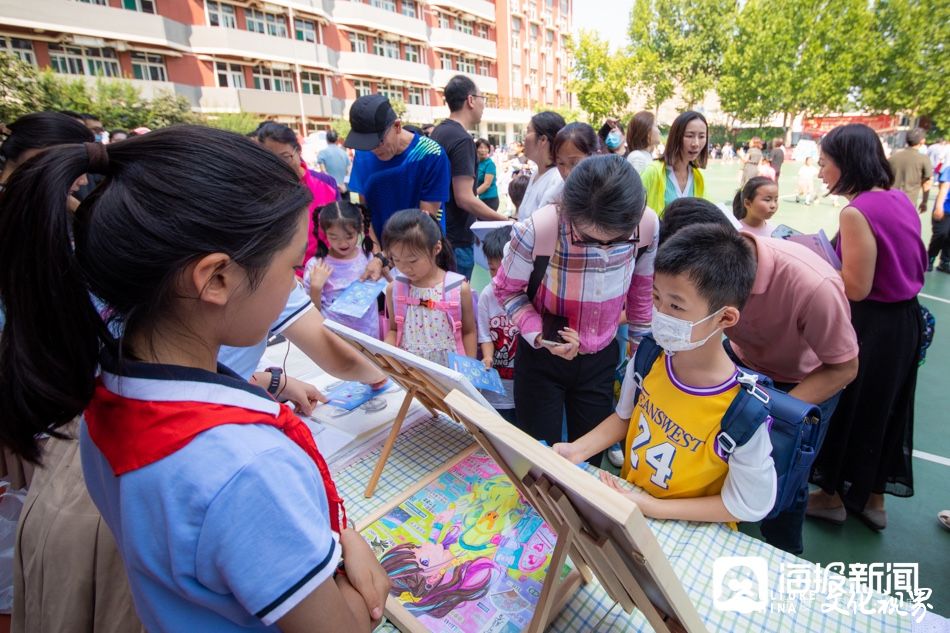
[[474, 370], [349, 395], [358, 297]]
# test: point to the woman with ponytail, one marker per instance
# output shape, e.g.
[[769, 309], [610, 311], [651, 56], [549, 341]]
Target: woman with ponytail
[[222, 508]]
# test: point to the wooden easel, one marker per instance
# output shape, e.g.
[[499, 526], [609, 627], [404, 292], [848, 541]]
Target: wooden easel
[[621, 552], [417, 383]]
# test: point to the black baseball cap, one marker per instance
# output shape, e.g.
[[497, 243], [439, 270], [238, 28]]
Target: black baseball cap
[[370, 117]]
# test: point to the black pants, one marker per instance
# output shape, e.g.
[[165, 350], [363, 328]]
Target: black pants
[[940, 241], [491, 202], [547, 385]]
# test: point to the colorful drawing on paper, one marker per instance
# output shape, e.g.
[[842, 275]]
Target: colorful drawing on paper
[[358, 297], [466, 554], [474, 370]]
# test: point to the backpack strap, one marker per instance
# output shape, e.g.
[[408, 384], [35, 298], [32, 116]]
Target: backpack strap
[[745, 414], [400, 304], [546, 223], [451, 304], [643, 360]]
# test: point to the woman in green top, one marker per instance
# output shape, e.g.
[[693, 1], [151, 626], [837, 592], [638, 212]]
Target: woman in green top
[[487, 175], [677, 174]]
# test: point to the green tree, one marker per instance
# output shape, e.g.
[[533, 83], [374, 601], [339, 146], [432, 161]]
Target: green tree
[[910, 69], [601, 78], [59, 93], [240, 122], [679, 42], [167, 108], [18, 90], [791, 58]]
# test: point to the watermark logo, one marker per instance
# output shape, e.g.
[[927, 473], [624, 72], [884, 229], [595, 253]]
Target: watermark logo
[[741, 583]]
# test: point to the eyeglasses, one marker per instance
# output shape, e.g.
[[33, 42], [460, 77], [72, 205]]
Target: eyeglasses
[[478, 96], [579, 239]]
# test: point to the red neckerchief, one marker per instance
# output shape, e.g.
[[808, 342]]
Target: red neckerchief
[[135, 433]]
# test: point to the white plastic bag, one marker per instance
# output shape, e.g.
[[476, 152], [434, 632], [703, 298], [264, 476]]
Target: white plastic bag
[[11, 503]]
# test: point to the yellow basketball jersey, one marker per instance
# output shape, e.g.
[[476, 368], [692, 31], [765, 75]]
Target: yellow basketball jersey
[[671, 449]]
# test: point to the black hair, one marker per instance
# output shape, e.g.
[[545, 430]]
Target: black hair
[[548, 124], [481, 141], [604, 191], [857, 152], [72, 114], [420, 233], [332, 137], [517, 187], [457, 91], [40, 130], [352, 217], [747, 194], [715, 258], [684, 212], [277, 132], [494, 243], [581, 135], [85, 116], [127, 245], [674, 142]]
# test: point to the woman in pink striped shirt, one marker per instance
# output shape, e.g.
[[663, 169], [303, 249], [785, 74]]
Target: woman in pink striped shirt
[[567, 306]]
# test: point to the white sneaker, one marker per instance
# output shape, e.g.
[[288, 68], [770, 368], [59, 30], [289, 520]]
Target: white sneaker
[[615, 455]]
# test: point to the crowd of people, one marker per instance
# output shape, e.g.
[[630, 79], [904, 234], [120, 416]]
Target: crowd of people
[[140, 281]]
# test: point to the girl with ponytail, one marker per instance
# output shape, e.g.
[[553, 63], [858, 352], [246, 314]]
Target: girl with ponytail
[[222, 508]]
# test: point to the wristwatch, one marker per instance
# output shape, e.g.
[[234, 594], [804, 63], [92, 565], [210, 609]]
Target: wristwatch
[[383, 260], [275, 374]]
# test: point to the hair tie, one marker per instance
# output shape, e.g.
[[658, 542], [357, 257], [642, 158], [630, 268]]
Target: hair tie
[[98, 158]]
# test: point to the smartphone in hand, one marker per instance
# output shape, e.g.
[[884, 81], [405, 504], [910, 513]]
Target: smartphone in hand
[[551, 325]]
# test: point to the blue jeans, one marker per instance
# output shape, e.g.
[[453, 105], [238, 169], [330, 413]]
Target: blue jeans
[[464, 260]]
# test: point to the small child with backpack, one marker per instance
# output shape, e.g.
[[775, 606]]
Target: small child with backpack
[[672, 410], [497, 333], [430, 307]]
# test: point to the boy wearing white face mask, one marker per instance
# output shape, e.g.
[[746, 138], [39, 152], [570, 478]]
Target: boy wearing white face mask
[[703, 276]]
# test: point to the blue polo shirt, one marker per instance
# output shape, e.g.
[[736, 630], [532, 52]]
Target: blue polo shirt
[[227, 534], [419, 174]]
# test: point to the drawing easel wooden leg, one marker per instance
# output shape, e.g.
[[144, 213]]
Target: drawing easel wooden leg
[[388, 446]]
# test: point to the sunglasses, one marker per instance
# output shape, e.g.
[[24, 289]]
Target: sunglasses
[[579, 239]]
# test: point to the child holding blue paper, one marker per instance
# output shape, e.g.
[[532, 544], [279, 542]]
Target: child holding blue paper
[[497, 334], [336, 267], [430, 307]]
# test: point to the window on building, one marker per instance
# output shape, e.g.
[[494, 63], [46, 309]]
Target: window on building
[[305, 30], [387, 5], [565, 7], [483, 68], [273, 80], [230, 75], [358, 42], [483, 31], [267, 23], [412, 53], [516, 44], [465, 26], [312, 83], [516, 76], [447, 62], [102, 3], [143, 6], [149, 66], [533, 33], [466, 65], [385, 48], [362, 87], [221, 14], [418, 96], [392, 93], [409, 8], [549, 37], [516, 24], [21, 49], [444, 21], [76, 60]]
